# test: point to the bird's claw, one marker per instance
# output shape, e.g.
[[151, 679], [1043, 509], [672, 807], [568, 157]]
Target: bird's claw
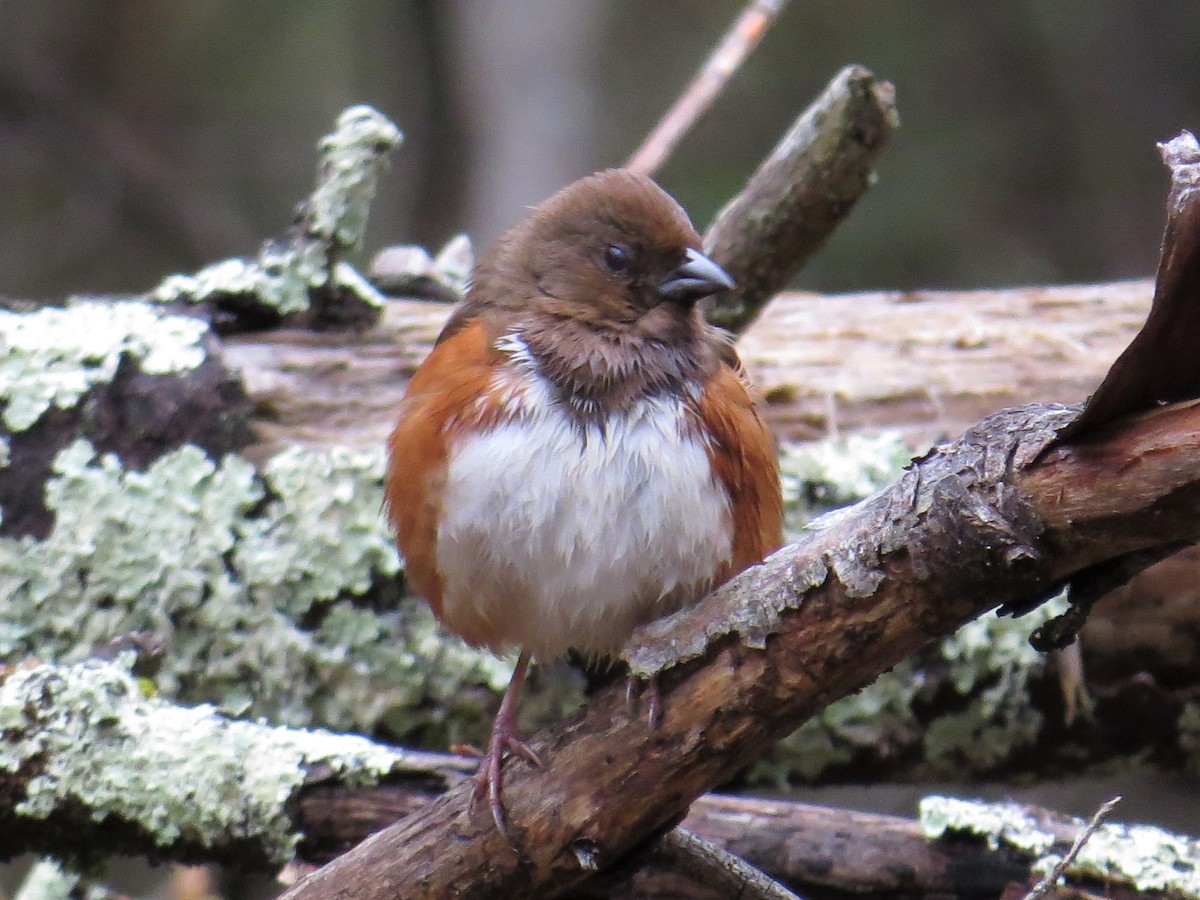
[[488, 778], [644, 692]]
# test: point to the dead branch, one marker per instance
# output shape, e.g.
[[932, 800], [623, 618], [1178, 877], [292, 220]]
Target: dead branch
[[796, 198], [925, 363], [107, 783], [1043, 887], [712, 868], [737, 44]]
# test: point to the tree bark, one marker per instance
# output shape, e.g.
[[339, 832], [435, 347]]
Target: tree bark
[[925, 363], [800, 193]]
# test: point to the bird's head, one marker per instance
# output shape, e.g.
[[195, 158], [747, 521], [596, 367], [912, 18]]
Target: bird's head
[[612, 252]]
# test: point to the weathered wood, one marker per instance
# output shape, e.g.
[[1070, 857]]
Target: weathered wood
[[1160, 365], [101, 775], [1004, 514], [926, 363], [800, 193], [929, 363]]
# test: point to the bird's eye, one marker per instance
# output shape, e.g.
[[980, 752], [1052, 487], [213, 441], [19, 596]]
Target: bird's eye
[[618, 258]]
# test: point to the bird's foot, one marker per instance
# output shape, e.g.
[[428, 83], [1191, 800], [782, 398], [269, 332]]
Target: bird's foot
[[488, 778], [643, 692]]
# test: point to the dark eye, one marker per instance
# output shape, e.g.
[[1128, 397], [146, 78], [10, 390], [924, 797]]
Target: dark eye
[[618, 258]]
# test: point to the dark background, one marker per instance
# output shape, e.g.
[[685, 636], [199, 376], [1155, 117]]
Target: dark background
[[139, 137]]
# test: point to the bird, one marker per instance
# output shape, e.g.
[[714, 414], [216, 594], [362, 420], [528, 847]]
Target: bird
[[579, 453]]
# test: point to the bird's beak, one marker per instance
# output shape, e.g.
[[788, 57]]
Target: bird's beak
[[697, 278]]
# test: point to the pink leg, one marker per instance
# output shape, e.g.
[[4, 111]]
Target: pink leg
[[504, 737]]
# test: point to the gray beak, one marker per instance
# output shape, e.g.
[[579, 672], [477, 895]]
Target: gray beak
[[697, 278]]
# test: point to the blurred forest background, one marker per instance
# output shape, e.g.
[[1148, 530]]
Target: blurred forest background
[[139, 137]]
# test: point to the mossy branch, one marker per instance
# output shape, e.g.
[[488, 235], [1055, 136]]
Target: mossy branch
[[973, 523]]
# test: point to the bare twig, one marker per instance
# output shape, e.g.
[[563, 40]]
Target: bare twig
[[739, 42], [703, 860], [1043, 887]]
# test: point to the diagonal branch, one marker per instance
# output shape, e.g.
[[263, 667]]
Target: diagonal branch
[[1000, 516], [793, 202]]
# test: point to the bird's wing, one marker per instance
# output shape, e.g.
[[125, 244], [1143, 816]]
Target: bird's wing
[[743, 457], [449, 394]]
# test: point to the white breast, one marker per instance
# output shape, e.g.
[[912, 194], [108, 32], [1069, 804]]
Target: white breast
[[561, 536]]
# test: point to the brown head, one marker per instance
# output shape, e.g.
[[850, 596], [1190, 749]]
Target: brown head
[[603, 277]]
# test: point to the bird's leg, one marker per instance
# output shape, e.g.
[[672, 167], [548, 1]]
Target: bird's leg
[[505, 736], [644, 691]]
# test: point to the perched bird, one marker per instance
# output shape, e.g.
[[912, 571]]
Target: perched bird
[[579, 454]]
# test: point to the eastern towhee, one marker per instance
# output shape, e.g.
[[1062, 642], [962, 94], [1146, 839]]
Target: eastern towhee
[[579, 453]]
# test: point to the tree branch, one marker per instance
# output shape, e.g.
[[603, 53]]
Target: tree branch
[[972, 524], [92, 767], [785, 213], [803, 190], [749, 28]]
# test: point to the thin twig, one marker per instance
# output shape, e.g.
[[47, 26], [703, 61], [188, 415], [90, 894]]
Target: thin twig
[[739, 42], [1043, 887], [686, 852]]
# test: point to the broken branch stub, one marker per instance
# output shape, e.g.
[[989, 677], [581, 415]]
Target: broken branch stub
[[1161, 364], [800, 193]]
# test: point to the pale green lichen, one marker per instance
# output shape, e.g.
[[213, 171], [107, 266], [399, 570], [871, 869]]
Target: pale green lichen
[[988, 662], [281, 278], [53, 356], [334, 220], [1148, 859], [251, 581], [824, 475], [321, 533], [992, 663], [48, 879], [996, 823], [180, 773], [351, 160]]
